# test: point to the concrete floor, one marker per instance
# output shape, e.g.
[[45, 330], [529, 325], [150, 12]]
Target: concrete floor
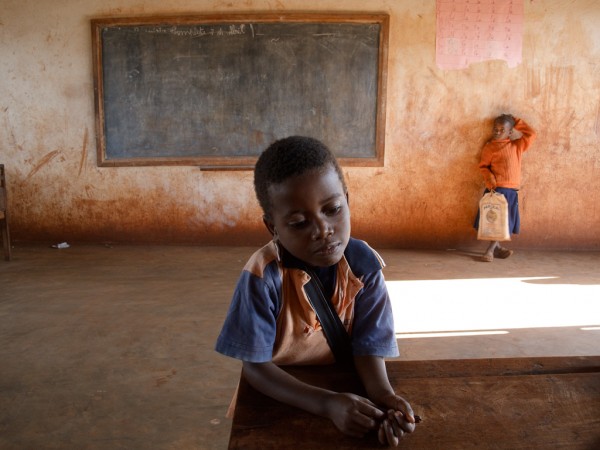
[[112, 347]]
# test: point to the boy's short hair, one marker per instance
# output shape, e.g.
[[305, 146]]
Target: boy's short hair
[[505, 118], [289, 157]]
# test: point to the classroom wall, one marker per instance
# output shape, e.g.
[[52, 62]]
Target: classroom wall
[[424, 197]]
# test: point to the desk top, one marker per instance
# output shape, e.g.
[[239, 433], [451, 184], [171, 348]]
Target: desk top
[[505, 403]]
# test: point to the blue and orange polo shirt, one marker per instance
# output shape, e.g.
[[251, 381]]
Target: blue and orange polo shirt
[[271, 319]]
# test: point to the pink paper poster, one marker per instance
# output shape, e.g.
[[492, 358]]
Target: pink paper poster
[[471, 31]]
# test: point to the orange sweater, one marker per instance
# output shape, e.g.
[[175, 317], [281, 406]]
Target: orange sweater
[[500, 161]]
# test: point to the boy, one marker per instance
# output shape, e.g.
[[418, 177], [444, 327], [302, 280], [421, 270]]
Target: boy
[[500, 165], [302, 192]]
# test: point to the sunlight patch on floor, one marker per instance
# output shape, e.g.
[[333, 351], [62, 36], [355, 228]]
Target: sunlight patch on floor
[[448, 334], [492, 304]]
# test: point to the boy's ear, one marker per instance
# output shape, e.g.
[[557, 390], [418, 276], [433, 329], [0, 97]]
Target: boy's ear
[[270, 226]]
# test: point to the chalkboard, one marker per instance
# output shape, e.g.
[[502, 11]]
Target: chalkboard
[[215, 90]]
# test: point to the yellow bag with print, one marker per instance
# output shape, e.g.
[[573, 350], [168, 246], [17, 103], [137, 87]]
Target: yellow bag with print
[[493, 218]]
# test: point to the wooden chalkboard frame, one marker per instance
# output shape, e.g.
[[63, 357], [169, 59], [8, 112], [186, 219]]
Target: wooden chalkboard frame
[[371, 157]]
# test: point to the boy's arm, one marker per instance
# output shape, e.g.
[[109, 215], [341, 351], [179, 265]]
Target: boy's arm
[[373, 374], [484, 167], [351, 414], [528, 135], [400, 418]]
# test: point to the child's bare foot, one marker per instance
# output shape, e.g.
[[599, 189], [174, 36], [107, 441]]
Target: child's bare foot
[[502, 252]]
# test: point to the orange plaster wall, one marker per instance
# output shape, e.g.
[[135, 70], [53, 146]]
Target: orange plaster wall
[[424, 197]]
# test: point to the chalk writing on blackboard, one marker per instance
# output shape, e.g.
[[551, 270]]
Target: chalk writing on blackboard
[[231, 30], [217, 92], [470, 31]]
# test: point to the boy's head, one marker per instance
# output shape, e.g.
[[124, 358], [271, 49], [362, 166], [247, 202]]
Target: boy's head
[[503, 126], [302, 192], [287, 158]]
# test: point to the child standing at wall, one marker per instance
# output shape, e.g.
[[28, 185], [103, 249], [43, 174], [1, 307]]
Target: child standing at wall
[[271, 322], [500, 165]]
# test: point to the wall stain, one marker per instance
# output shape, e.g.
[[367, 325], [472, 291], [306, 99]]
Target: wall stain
[[557, 115], [45, 160], [11, 132], [438, 78], [533, 82], [597, 124], [83, 152]]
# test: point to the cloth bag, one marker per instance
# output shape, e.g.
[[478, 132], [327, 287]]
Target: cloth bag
[[493, 218]]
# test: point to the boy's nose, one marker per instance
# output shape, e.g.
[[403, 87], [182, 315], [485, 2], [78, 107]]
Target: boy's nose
[[322, 229]]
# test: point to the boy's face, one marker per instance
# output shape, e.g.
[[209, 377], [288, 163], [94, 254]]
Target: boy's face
[[310, 216], [501, 130]]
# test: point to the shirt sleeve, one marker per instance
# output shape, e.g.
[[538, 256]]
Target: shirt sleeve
[[249, 329], [485, 165], [528, 135], [373, 332]]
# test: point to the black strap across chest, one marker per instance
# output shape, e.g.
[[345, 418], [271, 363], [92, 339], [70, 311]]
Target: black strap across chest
[[335, 332]]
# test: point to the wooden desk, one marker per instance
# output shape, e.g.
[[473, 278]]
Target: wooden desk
[[514, 403]]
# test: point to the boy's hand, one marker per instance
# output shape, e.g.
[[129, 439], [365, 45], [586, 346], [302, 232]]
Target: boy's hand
[[401, 419], [490, 183], [398, 404], [393, 428], [353, 415], [398, 421]]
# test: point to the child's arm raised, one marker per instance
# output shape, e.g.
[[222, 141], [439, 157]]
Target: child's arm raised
[[528, 135], [352, 414]]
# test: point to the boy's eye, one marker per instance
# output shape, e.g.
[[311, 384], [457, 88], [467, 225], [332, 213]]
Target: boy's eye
[[332, 211], [299, 224]]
